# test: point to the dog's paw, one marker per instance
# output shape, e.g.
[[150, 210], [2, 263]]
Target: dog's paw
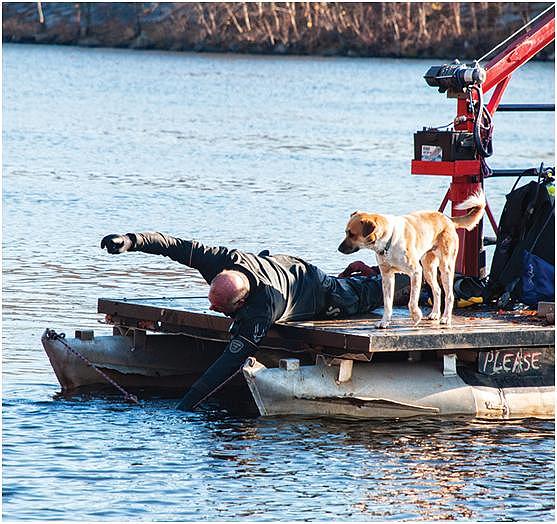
[[382, 324], [416, 317], [434, 315], [446, 321]]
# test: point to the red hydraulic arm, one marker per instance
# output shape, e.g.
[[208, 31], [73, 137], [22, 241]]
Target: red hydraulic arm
[[467, 175]]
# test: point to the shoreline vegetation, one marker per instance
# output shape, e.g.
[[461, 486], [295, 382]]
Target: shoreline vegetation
[[464, 30]]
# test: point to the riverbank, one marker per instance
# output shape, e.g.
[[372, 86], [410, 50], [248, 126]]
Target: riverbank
[[381, 29]]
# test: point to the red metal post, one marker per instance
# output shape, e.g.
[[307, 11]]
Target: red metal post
[[471, 256]]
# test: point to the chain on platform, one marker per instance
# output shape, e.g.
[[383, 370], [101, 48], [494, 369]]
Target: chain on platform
[[52, 335]]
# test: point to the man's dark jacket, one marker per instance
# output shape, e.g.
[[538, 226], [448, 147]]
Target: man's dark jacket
[[282, 288]]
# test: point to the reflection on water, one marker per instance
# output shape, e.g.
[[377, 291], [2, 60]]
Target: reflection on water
[[154, 461], [251, 152]]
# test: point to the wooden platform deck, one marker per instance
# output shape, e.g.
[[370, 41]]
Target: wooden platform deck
[[471, 330]]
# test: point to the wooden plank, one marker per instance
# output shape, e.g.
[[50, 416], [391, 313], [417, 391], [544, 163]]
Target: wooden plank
[[474, 330], [406, 338], [164, 312], [271, 341], [169, 311]]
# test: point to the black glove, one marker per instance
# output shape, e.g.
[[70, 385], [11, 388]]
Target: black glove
[[117, 243]]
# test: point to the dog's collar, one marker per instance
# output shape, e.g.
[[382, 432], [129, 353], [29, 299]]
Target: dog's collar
[[384, 251]]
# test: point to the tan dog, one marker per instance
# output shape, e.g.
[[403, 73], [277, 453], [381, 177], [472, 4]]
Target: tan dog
[[401, 243]]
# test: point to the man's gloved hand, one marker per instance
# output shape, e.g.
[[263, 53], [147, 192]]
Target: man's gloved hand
[[359, 268], [116, 243]]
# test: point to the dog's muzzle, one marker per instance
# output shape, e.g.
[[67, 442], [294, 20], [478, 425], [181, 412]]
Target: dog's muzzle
[[347, 248]]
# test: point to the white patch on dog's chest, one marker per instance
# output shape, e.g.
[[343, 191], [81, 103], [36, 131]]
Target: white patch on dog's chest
[[388, 258], [393, 252], [395, 258]]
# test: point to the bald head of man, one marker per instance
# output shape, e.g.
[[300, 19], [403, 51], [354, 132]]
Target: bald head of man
[[228, 291]]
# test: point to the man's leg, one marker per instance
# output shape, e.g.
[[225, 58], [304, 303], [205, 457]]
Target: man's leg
[[359, 294], [352, 295]]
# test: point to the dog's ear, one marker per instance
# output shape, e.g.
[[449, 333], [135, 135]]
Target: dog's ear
[[367, 228], [355, 213]]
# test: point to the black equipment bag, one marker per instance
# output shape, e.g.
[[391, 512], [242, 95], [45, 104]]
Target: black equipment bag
[[527, 224]]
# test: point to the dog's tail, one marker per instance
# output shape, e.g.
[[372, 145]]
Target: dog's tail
[[476, 204]]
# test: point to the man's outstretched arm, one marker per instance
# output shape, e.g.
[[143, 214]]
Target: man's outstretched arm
[[207, 260], [224, 368]]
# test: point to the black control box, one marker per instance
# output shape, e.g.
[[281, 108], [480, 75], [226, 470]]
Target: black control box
[[431, 145]]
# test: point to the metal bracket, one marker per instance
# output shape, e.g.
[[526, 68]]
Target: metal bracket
[[84, 334], [120, 331], [289, 364], [449, 365], [345, 371], [344, 366]]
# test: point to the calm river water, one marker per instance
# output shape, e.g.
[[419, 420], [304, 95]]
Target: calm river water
[[252, 152]]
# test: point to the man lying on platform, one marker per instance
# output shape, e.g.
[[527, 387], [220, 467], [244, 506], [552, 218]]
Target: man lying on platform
[[257, 290]]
